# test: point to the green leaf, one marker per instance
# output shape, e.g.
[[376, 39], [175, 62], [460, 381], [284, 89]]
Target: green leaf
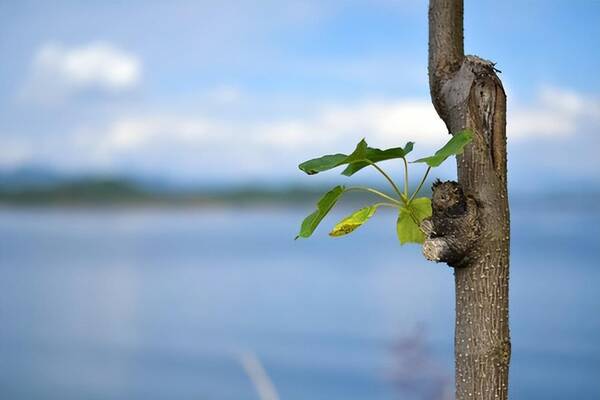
[[410, 218], [324, 205], [353, 221], [454, 146], [359, 153], [330, 161], [376, 155], [324, 163], [361, 157]]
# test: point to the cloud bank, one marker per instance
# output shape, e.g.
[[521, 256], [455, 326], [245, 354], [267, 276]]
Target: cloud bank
[[196, 145]]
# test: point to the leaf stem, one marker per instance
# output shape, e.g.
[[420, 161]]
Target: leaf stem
[[405, 177], [386, 177], [420, 184], [386, 204], [377, 192]]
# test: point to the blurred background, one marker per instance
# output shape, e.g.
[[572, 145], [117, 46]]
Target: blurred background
[[150, 195]]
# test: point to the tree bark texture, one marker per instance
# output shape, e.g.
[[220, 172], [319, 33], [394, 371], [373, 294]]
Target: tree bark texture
[[469, 228]]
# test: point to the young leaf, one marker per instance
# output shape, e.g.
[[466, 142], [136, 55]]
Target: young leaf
[[453, 147], [420, 208], [361, 157], [353, 221], [376, 155], [407, 229], [410, 218], [324, 205]]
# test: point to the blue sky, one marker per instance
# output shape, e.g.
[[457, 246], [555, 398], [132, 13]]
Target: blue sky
[[242, 91]]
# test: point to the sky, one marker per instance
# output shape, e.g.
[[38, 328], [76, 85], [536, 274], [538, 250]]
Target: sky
[[233, 92]]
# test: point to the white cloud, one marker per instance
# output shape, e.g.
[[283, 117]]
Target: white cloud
[[131, 133], [58, 72], [383, 122], [555, 112]]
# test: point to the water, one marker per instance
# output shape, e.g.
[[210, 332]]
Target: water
[[163, 304]]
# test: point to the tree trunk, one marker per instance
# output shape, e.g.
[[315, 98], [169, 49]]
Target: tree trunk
[[469, 228]]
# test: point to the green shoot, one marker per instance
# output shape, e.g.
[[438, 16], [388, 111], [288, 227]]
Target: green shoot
[[412, 210]]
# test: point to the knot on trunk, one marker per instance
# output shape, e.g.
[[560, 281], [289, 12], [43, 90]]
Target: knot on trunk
[[451, 93], [453, 227]]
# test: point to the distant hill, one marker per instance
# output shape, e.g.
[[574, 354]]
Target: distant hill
[[29, 177], [58, 190], [34, 186], [78, 191]]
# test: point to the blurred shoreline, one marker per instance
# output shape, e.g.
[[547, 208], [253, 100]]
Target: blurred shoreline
[[100, 192], [119, 193]]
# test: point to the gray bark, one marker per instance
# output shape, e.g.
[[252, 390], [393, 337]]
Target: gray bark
[[469, 228]]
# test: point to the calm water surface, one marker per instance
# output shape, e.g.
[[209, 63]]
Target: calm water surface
[[164, 304]]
